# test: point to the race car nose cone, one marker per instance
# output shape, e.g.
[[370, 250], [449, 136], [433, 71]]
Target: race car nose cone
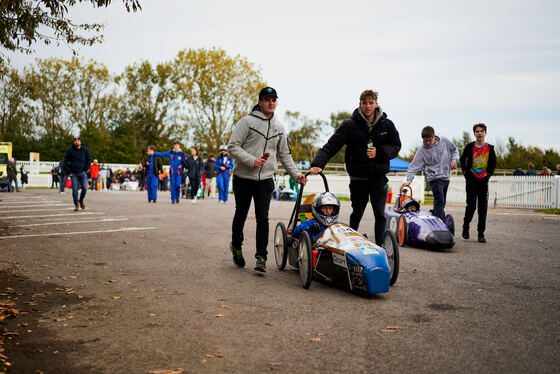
[[440, 239]]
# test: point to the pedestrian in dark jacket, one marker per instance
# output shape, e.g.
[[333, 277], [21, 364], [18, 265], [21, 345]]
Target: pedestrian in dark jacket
[[371, 141], [210, 172], [23, 176], [54, 176], [194, 171], [77, 161], [478, 162], [62, 176], [154, 167], [12, 175]]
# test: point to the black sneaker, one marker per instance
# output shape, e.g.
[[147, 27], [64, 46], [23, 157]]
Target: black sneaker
[[77, 208], [465, 233], [237, 256], [82, 205], [177, 201], [481, 239], [261, 264]]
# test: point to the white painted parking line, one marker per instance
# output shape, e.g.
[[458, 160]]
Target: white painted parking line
[[11, 208], [38, 210], [53, 215], [2, 203], [72, 222], [78, 232], [536, 215]]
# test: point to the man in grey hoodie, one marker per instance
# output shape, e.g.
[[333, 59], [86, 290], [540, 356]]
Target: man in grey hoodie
[[439, 156], [256, 140]]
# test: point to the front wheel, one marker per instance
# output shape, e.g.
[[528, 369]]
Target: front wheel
[[402, 231], [450, 223], [389, 243], [280, 246], [305, 260]]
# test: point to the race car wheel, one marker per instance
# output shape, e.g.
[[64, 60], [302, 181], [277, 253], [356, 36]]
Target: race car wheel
[[305, 260], [402, 231], [280, 246], [450, 223], [391, 246]]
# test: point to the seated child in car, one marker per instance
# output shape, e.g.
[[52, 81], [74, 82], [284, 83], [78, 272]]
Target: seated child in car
[[407, 205], [325, 209]]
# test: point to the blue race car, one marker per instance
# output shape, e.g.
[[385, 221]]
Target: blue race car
[[418, 228], [340, 254]]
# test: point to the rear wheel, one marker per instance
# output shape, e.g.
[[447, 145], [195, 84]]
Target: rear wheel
[[305, 260], [280, 246], [389, 243], [450, 223], [402, 231]]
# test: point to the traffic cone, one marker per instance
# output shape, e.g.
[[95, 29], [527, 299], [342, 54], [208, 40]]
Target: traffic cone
[[390, 195]]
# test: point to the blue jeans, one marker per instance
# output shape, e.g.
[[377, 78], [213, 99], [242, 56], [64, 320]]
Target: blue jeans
[[10, 187], [79, 180], [439, 189]]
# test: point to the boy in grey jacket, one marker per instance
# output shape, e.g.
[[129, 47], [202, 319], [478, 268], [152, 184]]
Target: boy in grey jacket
[[438, 155], [256, 140]]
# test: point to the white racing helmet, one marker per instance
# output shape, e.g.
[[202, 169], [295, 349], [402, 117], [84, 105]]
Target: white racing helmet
[[322, 199]]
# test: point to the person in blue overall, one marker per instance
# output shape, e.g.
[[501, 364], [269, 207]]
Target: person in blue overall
[[223, 165], [325, 209], [153, 165], [176, 160]]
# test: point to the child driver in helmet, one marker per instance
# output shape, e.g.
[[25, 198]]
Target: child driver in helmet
[[325, 209], [408, 205]]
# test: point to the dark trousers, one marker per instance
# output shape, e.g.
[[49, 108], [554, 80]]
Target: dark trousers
[[439, 189], [194, 182], [477, 190], [360, 192], [93, 184], [260, 192]]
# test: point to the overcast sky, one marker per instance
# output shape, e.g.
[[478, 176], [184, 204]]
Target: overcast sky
[[448, 64]]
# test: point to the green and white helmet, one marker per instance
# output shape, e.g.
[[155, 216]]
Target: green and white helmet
[[322, 199]]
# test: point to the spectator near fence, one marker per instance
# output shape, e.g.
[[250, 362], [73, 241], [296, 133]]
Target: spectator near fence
[[478, 162], [94, 171], [518, 172], [54, 176], [531, 170]]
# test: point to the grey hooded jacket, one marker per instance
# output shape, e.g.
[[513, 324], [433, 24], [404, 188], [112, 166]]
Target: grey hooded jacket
[[252, 137], [436, 159]]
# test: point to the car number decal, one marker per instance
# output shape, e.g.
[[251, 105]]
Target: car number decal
[[339, 260], [393, 224]]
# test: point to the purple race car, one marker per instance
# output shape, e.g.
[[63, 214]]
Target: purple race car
[[416, 227]]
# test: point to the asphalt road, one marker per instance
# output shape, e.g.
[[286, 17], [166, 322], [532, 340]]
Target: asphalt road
[[130, 287]]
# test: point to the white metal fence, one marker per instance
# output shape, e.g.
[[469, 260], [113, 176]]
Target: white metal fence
[[513, 192]]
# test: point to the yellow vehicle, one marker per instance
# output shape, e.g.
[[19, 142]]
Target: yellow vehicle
[[5, 155]]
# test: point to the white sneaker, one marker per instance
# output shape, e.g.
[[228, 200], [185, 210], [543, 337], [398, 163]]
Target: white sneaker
[[60, 191], [193, 201]]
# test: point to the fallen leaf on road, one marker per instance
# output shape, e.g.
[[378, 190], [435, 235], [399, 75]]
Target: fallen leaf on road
[[390, 329], [116, 297], [204, 361], [73, 277], [80, 297], [166, 371], [113, 281], [208, 355], [224, 306], [125, 242], [316, 339], [160, 297], [480, 290], [221, 315], [220, 355]]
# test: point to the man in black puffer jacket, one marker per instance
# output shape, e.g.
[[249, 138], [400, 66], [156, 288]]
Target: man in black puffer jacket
[[76, 164], [371, 141]]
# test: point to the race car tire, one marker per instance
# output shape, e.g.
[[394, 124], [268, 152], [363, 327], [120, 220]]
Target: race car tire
[[450, 223], [280, 246], [402, 231], [391, 246], [305, 260]]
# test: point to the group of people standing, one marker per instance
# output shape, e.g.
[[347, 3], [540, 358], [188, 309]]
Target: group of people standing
[[11, 171], [371, 141], [210, 173]]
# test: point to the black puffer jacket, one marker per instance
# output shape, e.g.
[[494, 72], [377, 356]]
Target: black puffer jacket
[[355, 134], [77, 160]]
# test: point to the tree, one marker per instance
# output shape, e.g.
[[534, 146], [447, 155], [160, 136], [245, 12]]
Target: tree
[[303, 135], [217, 89], [147, 110], [26, 22], [91, 104], [336, 120], [15, 123]]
